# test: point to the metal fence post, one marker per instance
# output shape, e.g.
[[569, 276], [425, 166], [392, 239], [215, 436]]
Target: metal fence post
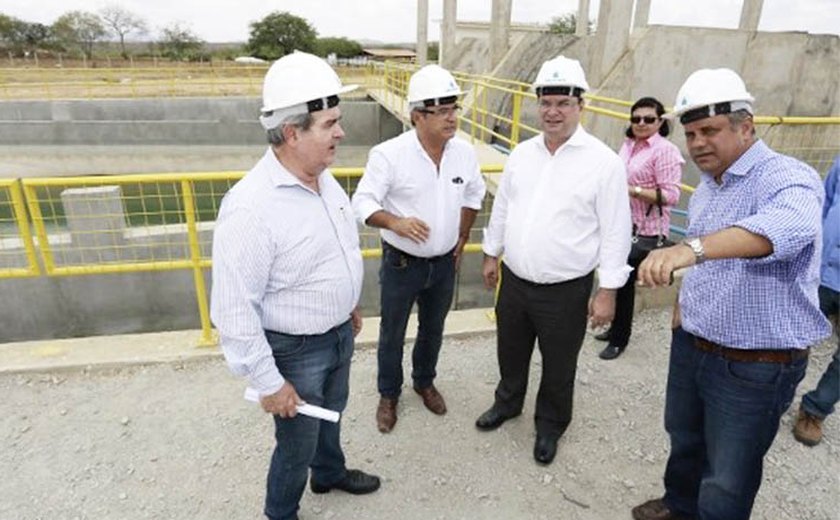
[[207, 339], [517, 113]]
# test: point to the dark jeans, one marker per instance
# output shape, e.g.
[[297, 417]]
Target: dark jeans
[[404, 280], [319, 368], [554, 314], [821, 400], [722, 417], [625, 300]]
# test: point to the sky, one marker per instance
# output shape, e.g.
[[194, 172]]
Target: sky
[[393, 21]]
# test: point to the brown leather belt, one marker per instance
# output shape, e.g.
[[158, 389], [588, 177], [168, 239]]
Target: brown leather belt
[[751, 356]]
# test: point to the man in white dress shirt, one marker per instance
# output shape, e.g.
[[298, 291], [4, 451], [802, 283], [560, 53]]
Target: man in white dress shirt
[[287, 274], [561, 212], [423, 189]]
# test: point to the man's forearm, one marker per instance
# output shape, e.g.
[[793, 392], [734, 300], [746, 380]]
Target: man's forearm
[[467, 220], [381, 219]]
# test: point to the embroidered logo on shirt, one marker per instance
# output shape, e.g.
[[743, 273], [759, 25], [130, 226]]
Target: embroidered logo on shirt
[[457, 180]]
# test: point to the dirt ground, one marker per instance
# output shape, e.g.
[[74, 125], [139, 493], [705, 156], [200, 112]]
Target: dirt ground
[[178, 441]]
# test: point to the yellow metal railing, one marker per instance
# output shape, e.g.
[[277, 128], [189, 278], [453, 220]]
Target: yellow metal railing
[[133, 223], [157, 222], [484, 123], [17, 249]]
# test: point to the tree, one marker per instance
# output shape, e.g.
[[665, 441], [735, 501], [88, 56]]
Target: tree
[[20, 37], [341, 47], [279, 34], [79, 30], [179, 43], [566, 24], [433, 51], [121, 22]]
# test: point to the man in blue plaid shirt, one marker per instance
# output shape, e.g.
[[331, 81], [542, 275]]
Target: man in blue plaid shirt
[[748, 309]]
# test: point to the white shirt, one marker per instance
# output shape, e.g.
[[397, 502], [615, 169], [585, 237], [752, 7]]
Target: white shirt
[[402, 179], [285, 259], [558, 217]]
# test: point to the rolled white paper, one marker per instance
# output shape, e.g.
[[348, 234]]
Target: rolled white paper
[[306, 409]]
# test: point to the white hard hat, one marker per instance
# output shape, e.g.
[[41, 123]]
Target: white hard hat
[[708, 92], [299, 83], [432, 85], [562, 76]]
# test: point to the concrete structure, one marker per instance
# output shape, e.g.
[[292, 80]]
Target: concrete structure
[[165, 121], [582, 28], [642, 14], [422, 31], [447, 34], [750, 15], [499, 31], [611, 39]]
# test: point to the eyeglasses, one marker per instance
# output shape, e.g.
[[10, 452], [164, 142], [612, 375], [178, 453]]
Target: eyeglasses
[[649, 120], [442, 111], [565, 104]]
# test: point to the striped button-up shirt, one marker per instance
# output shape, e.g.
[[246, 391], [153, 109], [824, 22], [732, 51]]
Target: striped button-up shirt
[[402, 179], [653, 163], [286, 259], [758, 303]]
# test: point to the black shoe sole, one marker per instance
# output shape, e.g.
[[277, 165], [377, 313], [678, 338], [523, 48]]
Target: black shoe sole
[[320, 490]]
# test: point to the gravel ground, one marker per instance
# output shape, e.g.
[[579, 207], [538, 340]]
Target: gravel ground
[[178, 441]]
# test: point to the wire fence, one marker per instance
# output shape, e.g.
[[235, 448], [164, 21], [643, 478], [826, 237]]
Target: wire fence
[[133, 223]]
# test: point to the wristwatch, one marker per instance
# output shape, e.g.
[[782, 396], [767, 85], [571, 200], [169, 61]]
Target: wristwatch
[[697, 247], [637, 190]]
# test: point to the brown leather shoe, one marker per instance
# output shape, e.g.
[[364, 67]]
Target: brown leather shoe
[[386, 414], [655, 510], [808, 429], [432, 399]]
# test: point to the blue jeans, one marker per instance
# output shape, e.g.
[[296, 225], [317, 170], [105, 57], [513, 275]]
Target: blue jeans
[[319, 368], [821, 400], [405, 280], [722, 417]]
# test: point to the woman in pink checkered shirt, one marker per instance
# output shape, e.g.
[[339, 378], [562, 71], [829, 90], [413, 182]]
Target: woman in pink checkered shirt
[[654, 168]]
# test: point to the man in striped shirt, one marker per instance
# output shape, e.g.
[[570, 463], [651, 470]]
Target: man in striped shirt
[[287, 274], [748, 309]]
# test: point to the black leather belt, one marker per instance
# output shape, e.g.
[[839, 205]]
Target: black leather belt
[[784, 356]]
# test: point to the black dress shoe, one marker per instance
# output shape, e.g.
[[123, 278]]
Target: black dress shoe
[[355, 482], [603, 336], [492, 419], [545, 448], [611, 352]]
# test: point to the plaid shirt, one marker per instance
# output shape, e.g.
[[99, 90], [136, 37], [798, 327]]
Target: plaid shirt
[[769, 302], [651, 163]]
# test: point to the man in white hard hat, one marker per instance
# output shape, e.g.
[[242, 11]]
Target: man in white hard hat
[[747, 310], [561, 213], [287, 275], [422, 189]]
